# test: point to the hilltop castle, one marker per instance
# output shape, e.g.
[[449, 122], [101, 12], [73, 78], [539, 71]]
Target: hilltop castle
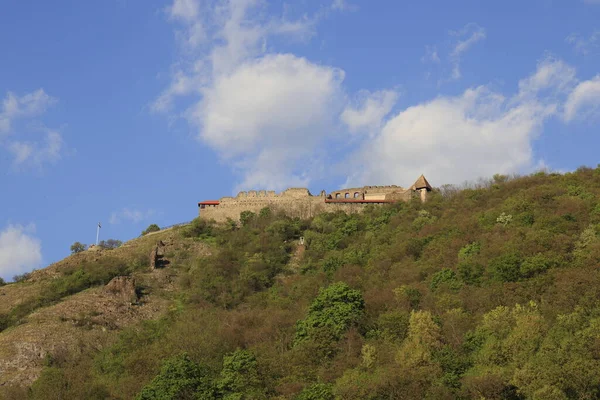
[[299, 202]]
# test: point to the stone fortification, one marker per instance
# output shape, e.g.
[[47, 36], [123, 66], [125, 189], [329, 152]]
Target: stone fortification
[[299, 202]]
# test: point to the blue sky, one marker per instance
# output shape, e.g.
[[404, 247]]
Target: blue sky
[[128, 112]]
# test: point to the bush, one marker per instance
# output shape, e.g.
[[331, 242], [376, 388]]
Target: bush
[[445, 276], [470, 272], [151, 228], [239, 377], [77, 247], [179, 378], [336, 308], [110, 244], [318, 391], [246, 217], [2, 282], [198, 228], [507, 268], [21, 277]]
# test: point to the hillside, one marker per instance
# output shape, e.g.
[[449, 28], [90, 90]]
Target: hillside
[[487, 292]]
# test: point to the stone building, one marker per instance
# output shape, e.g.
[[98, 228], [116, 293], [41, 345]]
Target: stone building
[[299, 202]]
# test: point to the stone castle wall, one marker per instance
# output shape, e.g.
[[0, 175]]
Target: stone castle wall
[[299, 202]]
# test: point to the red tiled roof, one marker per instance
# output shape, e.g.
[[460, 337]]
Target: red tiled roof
[[209, 203]]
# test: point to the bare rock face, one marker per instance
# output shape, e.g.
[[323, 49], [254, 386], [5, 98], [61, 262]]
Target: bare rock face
[[122, 287], [157, 256]]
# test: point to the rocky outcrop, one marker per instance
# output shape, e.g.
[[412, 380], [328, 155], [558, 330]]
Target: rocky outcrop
[[122, 287], [157, 255]]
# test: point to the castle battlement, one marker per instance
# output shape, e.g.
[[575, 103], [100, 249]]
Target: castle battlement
[[301, 203]]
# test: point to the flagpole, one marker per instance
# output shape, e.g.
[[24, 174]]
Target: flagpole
[[98, 233]]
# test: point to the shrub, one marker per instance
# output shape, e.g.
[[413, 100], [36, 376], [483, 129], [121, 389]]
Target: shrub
[[198, 228], [336, 308], [470, 272], [2, 282], [507, 268], [151, 228], [393, 325], [409, 294], [77, 247], [179, 378], [469, 250], [537, 264], [445, 276], [21, 277], [318, 391], [110, 244], [246, 217], [504, 219], [239, 377]]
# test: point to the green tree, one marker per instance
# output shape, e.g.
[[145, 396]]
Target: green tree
[[77, 247], [179, 378], [246, 217], [240, 378], [336, 308], [151, 228]]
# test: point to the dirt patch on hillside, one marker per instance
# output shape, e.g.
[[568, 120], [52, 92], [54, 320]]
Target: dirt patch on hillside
[[84, 320], [90, 319]]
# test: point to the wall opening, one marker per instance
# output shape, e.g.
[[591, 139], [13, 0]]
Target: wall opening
[[337, 195], [347, 195], [356, 194]]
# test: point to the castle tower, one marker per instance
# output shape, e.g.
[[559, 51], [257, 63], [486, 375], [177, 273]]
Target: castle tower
[[422, 186]]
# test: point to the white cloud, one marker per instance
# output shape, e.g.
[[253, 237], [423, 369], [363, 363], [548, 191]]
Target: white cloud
[[130, 215], [431, 55], [28, 105], [584, 45], [456, 138], [186, 10], [37, 153], [369, 111], [584, 100], [343, 5], [28, 152], [468, 36], [552, 77], [250, 104], [20, 251]]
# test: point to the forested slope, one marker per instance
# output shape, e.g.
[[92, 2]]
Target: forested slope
[[489, 293]]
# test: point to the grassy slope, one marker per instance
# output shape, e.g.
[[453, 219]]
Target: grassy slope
[[480, 293], [88, 319]]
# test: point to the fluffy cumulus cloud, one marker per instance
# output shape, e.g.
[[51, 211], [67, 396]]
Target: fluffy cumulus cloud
[[20, 250], [584, 100], [249, 104], [477, 133], [130, 215], [369, 110], [42, 145], [272, 116]]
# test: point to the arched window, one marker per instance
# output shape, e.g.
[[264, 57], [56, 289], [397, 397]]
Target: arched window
[[356, 194], [347, 195], [337, 195]]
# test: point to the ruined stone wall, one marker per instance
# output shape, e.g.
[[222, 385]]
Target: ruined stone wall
[[294, 206], [299, 207], [299, 202]]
